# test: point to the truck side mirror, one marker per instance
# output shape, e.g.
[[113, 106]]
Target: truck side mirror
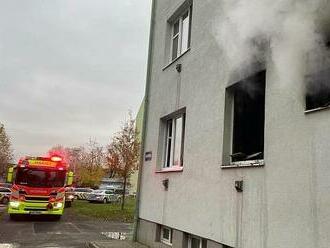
[[10, 175], [69, 180]]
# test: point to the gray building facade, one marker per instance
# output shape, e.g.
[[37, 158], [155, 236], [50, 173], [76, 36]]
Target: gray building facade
[[236, 134]]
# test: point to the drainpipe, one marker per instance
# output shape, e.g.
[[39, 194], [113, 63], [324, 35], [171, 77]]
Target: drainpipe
[[145, 117]]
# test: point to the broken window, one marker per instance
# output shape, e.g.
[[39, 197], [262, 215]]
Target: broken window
[[318, 90], [248, 98]]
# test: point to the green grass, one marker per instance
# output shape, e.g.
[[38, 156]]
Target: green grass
[[108, 212]]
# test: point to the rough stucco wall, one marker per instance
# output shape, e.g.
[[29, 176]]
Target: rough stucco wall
[[283, 204], [320, 162], [146, 232]]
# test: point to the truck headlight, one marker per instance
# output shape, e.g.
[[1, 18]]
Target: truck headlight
[[58, 205], [14, 204]]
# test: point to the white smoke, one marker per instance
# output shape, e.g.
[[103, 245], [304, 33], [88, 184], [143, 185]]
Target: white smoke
[[287, 32]]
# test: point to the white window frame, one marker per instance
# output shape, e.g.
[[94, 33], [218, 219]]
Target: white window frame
[[179, 35], [190, 237], [169, 159], [164, 240]]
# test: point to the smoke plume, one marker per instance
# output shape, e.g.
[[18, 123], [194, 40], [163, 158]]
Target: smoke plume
[[283, 32]]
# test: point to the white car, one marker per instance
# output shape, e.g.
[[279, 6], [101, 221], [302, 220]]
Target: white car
[[82, 193], [4, 195], [104, 196]]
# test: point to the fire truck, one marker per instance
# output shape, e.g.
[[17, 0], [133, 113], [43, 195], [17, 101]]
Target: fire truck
[[38, 186]]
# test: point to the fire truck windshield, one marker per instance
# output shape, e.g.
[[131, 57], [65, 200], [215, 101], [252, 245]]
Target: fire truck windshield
[[40, 178]]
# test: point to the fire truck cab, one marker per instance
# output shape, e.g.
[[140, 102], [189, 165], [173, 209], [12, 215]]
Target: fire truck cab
[[38, 186]]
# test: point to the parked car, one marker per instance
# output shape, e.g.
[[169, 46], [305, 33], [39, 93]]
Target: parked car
[[6, 185], [82, 193], [120, 191], [104, 196], [69, 196], [4, 195]]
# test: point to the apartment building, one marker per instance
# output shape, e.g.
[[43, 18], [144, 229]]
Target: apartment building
[[237, 126]]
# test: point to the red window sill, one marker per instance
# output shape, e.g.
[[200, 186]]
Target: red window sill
[[171, 169]]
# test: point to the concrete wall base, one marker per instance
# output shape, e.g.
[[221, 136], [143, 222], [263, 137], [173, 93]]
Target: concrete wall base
[[149, 234]]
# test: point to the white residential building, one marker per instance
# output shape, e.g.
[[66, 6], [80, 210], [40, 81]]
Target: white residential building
[[237, 125]]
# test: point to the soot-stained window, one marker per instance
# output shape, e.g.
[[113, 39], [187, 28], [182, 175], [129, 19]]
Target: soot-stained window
[[318, 90], [248, 118]]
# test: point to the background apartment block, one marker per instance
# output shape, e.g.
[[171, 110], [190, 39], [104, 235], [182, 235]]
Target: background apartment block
[[237, 133]]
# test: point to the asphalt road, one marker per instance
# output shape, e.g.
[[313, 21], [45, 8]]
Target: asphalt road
[[70, 231]]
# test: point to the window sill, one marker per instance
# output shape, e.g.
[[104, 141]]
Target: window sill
[[166, 243], [175, 60], [316, 109], [244, 164], [171, 169]]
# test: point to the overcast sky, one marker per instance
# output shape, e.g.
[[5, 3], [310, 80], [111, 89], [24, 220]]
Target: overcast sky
[[70, 69]]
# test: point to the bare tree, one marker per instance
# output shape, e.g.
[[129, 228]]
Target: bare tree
[[6, 153], [123, 152], [87, 162], [92, 164]]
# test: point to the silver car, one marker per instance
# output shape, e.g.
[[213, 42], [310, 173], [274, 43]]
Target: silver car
[[104, 196], [4, 195]]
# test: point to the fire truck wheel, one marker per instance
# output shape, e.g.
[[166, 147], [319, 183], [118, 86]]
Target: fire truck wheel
[[68, 204], [13, 216], [57, 217]]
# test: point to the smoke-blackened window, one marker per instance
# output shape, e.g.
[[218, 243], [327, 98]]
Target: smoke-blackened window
[[318, 90], [248, 100]]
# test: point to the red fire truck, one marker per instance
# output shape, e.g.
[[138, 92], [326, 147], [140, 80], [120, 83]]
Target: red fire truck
[[39, 186]]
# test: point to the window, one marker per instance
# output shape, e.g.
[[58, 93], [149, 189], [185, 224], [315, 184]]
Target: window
[[318, 91], [40, 178], [248, 116], [174, 141], [166, 235], [180, 38], [194, 242]]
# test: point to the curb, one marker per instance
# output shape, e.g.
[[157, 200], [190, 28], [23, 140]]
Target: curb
[[113, 244]]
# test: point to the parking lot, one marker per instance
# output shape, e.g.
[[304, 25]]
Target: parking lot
[[71, 231]]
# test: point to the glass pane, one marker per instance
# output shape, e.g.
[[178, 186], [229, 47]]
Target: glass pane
[[168, 143], [195, 243], [178, 142], [40, 178], [185, 33], [166, 233], [176, 28], [175, 46]]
